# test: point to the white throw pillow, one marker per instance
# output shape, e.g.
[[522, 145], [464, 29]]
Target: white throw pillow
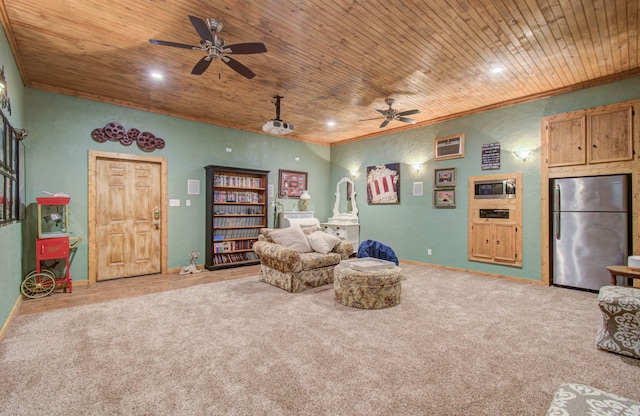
[[292, 237], [322, 242]]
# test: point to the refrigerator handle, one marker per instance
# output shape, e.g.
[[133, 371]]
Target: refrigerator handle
[[557, 211]]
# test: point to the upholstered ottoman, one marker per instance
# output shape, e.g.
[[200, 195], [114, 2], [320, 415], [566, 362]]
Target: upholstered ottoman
[[579, 400], [619, 330], [375, 289]]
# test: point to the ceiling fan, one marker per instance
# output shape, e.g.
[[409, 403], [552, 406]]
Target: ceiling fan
[[391, 114], [215, 47]]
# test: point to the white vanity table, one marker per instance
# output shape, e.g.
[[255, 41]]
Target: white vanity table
[[344, 222], [344, 231]]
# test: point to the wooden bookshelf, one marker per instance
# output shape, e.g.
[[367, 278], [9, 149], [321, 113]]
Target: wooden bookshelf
[[236, 210]]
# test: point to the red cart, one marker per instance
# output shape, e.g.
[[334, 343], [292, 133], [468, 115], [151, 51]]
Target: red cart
[[53, 245]]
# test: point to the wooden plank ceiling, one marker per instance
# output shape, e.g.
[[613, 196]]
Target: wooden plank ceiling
[[331, 60]]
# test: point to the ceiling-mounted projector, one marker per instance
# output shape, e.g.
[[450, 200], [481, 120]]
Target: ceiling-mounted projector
[[277, 126]]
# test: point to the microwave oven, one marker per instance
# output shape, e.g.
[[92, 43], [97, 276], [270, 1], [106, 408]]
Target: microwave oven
[[501, 188]]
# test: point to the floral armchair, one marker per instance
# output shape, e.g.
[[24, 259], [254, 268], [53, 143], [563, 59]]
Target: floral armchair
[[303, 260]]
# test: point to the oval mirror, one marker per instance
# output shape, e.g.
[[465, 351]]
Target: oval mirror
[[345, 207]]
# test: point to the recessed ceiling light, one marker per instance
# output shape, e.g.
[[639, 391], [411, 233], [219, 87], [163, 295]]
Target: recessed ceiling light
[[156, 75], [331, 123], [497, 70]]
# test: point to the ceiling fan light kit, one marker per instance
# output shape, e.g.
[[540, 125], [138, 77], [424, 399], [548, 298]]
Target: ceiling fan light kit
[[391, 114], [216, 47]]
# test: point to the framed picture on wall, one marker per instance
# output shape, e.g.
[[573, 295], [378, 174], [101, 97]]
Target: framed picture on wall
[[3, 198], [383, 184], [10, 169], [444, 198], [444, 177], [292, 183], [2, 141]]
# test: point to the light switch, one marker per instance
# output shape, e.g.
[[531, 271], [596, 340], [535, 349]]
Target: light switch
[[187, 202], [174, 202]]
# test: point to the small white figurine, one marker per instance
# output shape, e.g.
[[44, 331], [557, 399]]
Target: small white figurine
[[191, 268]]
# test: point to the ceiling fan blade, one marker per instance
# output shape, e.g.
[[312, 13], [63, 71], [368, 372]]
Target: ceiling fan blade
[[407, 120], [201, 66], [174, 44], [202, 28], [384, 123], [238, 67], [383, 112], [408, 113], [369, 119], [247, 48]]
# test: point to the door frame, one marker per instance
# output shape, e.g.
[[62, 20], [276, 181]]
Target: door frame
[[94, 156]]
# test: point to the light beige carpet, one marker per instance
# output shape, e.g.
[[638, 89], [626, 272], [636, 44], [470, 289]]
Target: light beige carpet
[[458, 344]]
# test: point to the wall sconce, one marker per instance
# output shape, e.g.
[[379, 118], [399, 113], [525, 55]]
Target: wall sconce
[[354, 173], [417, 166], [523, 154], [5, 102]]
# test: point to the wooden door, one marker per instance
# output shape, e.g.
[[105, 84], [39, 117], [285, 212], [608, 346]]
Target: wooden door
[[566, 141], [610, 135], [128, 211]]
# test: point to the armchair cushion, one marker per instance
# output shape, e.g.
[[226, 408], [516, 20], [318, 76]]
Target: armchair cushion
[[323, 242], [292, 237], [278, 257], [317, 260]]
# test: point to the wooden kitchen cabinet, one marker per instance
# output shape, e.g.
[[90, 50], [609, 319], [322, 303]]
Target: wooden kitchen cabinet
[[495, 221], [610, 137], [480, 239], [567, 140], [495, 242], [505, 237], [596, 135]]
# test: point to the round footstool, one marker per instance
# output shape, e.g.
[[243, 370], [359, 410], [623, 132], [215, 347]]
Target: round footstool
[[619, 329], [374, 289]]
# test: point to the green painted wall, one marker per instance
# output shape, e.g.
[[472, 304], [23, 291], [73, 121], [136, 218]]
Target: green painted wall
[[11, 234], [413, 226], [60, 138]]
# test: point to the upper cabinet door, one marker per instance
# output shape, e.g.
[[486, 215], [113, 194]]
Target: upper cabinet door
[[611, 135], [566, 140]]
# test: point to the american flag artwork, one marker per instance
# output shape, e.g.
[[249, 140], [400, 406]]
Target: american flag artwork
[[383, 184]]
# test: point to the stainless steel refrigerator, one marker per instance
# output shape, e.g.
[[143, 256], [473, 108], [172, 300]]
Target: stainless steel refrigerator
[[590, 229]]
